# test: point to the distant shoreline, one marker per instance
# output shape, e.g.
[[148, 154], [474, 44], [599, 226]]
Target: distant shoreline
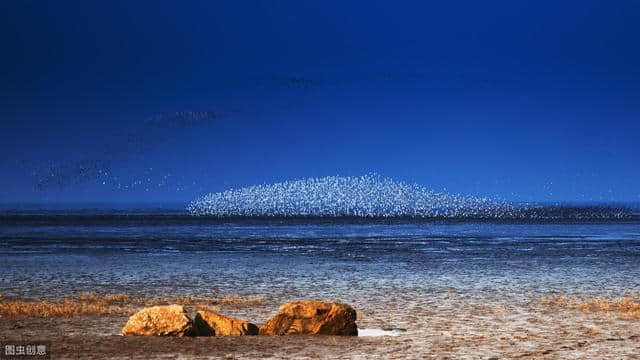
[[79, 218]]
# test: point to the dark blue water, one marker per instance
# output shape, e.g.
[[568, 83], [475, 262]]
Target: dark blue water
[[56, 254]]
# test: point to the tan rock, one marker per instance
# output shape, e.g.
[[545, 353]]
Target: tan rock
[[312, 317], [169, 320], [213, 324]]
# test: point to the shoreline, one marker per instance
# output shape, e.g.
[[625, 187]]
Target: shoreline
[[460, 291]]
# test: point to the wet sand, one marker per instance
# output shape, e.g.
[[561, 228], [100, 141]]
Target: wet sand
[[449, 325]]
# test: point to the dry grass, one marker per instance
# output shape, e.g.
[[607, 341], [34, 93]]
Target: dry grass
[[92, 303], [82, 304], [228, 301], [625, 307], [104, 298]]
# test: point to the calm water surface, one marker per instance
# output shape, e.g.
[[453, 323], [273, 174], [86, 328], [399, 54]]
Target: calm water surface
[[49, 256]]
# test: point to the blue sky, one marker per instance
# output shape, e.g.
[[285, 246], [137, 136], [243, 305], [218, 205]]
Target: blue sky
[[526, 101]]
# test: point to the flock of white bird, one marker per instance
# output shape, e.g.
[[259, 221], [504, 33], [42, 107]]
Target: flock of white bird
[[368, 196]]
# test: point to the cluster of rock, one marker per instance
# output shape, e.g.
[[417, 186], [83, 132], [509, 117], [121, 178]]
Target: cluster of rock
[[299, 317]]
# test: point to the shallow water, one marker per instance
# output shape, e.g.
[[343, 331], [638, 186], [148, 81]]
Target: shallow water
[[57, 255]]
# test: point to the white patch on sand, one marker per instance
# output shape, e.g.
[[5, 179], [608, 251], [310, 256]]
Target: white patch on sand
[[377, 332]]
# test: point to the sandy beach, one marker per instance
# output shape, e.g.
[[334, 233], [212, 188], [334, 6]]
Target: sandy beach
[[449, 325]]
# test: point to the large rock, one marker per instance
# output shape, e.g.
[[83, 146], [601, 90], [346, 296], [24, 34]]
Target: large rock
[[169, 320], [213, 324], [312, 317]]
